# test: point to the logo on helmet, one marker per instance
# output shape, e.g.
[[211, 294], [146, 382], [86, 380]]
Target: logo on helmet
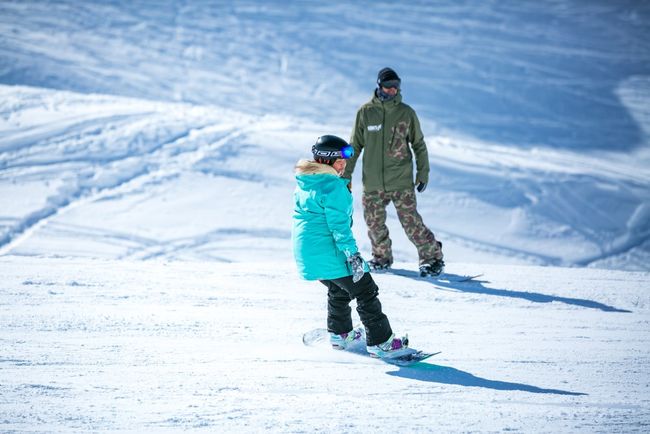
[[345, 152]]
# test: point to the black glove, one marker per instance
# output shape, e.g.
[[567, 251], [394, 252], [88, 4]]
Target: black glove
[[356, 264], [421, 186]]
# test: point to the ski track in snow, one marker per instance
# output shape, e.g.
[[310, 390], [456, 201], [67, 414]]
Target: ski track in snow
[[123, 172], [136, 148], [557, 94]]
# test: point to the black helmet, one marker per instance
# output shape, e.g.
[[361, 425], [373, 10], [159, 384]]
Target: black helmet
[[329, 148]]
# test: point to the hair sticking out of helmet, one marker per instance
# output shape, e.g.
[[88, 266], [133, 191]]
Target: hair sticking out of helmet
[[328, 149]]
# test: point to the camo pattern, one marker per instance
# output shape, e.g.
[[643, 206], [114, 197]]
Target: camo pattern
[[399, 146], [374, 212]]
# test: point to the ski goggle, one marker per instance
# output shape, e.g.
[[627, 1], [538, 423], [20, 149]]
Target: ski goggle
[[345, 152], [389, 84]]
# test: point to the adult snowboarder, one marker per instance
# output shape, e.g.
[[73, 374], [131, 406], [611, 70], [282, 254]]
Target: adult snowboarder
[[383, 130], [325, 250]]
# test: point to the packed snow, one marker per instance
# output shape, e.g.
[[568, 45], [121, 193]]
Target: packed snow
[[146, 178], [147, 346]]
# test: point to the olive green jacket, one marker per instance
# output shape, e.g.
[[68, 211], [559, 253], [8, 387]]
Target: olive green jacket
[[384, 131]]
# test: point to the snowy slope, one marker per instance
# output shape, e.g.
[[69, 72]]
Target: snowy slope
[[152, 346], [512, 72], [537, 120], [146, 173], [136, 178]]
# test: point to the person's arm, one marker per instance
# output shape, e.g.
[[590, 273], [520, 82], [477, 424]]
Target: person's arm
[[421, 154], [356, 140], [338, 204]]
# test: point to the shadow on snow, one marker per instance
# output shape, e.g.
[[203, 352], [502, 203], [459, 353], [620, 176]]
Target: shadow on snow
[[446, 375], [477, 287]]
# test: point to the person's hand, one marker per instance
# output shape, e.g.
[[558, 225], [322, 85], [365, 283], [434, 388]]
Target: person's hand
[[421, 186], [356, 264], [350, 186]]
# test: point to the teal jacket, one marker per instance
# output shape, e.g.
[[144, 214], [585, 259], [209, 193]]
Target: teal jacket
[[322, 217]]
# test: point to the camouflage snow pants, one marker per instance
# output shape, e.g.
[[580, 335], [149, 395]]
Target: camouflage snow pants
[[374, 212]]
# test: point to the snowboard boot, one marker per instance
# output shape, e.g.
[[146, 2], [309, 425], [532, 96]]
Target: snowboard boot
[[432, 268], [393, 347], [377, 263], [345, 340]]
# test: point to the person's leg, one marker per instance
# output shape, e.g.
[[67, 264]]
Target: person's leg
[[339, 313], [424, 240], [374, 212], [375, 322]]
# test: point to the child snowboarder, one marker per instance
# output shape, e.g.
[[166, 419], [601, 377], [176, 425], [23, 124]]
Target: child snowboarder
[[325, 250]]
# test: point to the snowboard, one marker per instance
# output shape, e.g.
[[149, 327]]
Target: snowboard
[[320, 338], [463, 278]]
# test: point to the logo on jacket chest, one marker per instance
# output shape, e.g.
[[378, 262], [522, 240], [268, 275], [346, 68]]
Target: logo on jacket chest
[[374, 128]]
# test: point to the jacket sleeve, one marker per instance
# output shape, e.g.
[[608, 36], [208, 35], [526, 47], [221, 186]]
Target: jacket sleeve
[[338, 204], [356, 140], [420, 150]]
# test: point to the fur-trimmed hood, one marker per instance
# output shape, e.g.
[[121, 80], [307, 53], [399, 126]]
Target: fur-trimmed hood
[[310, 167]]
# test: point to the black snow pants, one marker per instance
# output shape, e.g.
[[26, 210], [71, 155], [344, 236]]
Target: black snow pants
[[340, 292]]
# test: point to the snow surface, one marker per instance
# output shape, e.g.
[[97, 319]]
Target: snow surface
[[145, 346], [146, 171]]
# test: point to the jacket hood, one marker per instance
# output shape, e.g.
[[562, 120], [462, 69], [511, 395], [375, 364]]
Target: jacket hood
[[312, 175], [310, 167]]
